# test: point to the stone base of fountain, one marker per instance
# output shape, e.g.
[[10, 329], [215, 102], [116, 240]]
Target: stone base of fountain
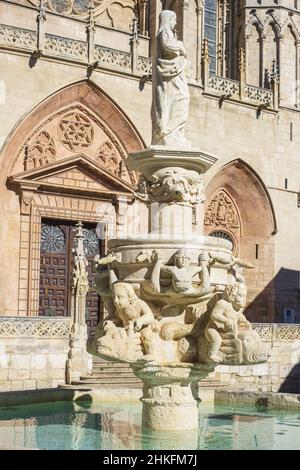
[[169, 402]]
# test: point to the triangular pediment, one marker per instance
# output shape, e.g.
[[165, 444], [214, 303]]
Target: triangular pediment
[[78, 174]]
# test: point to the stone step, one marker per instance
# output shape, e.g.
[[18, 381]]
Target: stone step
[[121, 377], [79, 386], [110, 381]]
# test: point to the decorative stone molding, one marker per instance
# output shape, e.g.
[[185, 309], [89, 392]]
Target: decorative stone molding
[[260, 95], [72, 48], [11, 327], [172, 185], [114, 58], [277, 331], [224, 85], [17, 37]]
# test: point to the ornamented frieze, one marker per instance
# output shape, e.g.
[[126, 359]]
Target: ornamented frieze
[[260, 95], [66, 47], [112, 57], [224, 85], [36, 328], [17, 37]]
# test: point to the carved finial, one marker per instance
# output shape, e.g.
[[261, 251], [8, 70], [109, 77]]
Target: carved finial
[[134, 30], [242, 60], [42, 11], [205, 52], [91, 25], [275, 71], [79, 239]]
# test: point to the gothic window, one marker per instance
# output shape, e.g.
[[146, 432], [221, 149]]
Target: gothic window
[[52, 239], [210, 32]]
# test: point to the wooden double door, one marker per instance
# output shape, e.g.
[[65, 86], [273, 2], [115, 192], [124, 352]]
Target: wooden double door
[[56, 267]]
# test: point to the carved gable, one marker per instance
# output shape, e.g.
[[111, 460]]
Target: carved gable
[[78, 174], [66, 133]]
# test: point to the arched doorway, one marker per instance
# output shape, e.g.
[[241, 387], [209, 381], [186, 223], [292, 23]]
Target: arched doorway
[[238, 206], [65, 162]]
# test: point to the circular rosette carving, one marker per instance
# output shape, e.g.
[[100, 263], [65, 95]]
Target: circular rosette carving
[[73, 7], [172, 185], [76, 131]]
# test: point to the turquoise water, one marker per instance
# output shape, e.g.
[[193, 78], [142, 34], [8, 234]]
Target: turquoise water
[[67, 425]]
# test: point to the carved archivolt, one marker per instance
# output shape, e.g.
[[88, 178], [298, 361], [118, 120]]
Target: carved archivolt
[[69, 131], [222, 214], [40, 152]]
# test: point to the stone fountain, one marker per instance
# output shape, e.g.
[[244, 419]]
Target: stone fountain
[[174, 298]]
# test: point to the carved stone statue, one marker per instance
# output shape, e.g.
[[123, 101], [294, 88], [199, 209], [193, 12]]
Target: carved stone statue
[[225, 317], [132, 311], [182, 274], [228, 337], [170, 89]]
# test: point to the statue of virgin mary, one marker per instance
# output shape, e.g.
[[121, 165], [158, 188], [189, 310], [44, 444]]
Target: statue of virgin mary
[[170, 88]]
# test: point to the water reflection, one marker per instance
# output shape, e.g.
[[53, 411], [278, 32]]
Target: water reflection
[[110, 427]]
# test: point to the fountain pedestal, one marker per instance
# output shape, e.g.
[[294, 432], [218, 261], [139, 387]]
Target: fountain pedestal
[[168, 399]]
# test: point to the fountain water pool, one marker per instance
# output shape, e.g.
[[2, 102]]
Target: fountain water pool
[[69, 426]]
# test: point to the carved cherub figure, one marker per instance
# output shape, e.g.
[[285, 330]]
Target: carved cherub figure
[[132, 311], [182, 274], [226, 316]]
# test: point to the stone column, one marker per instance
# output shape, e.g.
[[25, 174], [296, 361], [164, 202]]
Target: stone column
[[200, 26], [168, 400], [78, 358], [205, 64]]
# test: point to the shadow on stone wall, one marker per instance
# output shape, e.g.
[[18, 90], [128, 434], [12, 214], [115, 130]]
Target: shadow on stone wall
[[283, 292], [291, 383]]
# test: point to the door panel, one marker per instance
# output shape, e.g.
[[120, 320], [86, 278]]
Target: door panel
[[56, 266]]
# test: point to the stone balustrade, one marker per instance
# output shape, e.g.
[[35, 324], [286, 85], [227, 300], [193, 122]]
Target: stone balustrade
[[30, 327], [67, 49]]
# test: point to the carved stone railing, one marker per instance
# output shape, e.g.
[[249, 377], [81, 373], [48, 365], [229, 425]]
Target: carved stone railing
[[71, 49], [68, 48], [259, 95], [17, 37], [277, 331], [29, 327], [224, 86], [113, 58], [144, 65]]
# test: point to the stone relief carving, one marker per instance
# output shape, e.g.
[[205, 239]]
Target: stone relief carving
[[67, 47], [222, 212], [209, 327], [108, 157], [172, 185], [40, 152], [182, 275], [75, 131], [81, 131], [170, 88], [228, 337]]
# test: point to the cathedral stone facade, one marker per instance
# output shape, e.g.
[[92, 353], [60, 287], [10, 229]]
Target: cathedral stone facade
[[75, 98]]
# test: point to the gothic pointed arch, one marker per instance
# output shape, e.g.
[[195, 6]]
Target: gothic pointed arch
[[253, 229], [79, 118]]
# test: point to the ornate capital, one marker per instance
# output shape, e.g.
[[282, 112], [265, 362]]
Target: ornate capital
[[172, 185]]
